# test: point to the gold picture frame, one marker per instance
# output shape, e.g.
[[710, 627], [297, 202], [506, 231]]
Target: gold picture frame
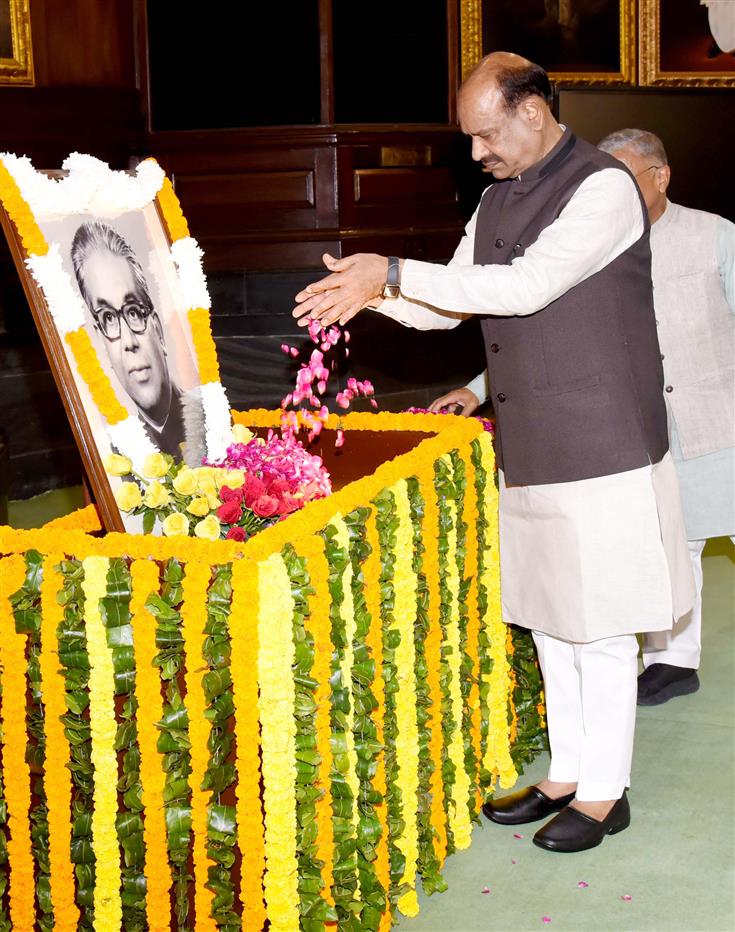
[[475, 43], [678, 47], [16, 51]]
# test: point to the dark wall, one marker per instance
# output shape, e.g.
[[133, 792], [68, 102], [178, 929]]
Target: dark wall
[[696, 126]]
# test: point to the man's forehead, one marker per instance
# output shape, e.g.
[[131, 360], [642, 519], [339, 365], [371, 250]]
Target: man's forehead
[[481, 111]]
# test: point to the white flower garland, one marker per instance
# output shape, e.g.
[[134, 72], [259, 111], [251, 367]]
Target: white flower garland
[[65, 304], [187, 257], [217, 420], [130, 438]]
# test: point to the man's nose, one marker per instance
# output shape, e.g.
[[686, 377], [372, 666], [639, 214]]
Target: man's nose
[[129, 339], [479, 149]]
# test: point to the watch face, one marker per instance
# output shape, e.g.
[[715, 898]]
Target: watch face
[[391, 291]]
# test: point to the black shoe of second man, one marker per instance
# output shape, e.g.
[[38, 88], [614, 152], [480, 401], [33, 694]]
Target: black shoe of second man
[[528, 805], [662, 681]]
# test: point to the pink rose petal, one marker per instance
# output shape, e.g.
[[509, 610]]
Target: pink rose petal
[[513, 861], [486, 889], [583, 883], [516, 835], [626, 897], [546, 920]]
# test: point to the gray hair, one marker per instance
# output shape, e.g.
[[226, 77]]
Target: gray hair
[[639, 140], [95, 235]]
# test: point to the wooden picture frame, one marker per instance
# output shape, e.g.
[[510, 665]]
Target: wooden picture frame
[[16, 51], [573, 47], [679, 44], [112, 308]]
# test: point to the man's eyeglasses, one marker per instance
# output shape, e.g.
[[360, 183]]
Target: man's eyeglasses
[[647, 170], [136, 317]]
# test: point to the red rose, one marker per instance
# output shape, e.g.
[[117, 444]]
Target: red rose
[[229, 512], [252, 490], [236, 533], [287, 504], [231, 495], [265, 506], [278, 486]]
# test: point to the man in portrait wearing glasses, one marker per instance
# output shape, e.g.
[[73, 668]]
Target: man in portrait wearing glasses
[[114, 287], [693, 272]]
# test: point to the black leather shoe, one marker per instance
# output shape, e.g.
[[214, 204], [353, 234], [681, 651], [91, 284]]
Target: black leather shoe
[[662, 681], [572, 830], [527, 805]]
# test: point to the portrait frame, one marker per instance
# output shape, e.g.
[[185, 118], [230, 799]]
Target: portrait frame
[[685, 68], [473, 14], [15, 38], [42, 215]]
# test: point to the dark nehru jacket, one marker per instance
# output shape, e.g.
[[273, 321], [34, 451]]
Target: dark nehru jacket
[[577, 387]]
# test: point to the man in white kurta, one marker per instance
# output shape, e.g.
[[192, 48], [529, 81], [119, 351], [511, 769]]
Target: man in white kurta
[[581, 561], [693, 270]]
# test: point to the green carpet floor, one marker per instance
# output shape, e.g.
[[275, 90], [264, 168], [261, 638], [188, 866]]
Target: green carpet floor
[[673, 869]]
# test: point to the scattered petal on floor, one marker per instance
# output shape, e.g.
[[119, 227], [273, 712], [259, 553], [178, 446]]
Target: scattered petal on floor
[[486, 889], [516, 835], [627, 897], [546, 919], [513, 861], [583, 883]]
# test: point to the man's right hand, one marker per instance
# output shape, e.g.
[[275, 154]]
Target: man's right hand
[[458, 398]]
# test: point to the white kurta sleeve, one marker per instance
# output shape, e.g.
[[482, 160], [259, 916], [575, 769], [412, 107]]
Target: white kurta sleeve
[[726, 258], [603, 218], [480, 386]]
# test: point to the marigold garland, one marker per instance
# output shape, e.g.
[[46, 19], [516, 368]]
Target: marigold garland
[[497, 752], [206, 351], [194, 620], [407, 749], [471, 516], [107, 902], [171, 212], [374, 640], [459, 819], [432, 649], [94, 377], [145, 580], [12, 731], [59, 790], [319, 626], [243, 661], [83, 519], [276, 703], [21, 214]]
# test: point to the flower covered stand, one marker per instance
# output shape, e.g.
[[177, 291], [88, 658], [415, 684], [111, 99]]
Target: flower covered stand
[[289, 731]]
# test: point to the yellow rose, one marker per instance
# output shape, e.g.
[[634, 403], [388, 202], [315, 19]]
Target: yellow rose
[[155, 466], [208, 528], [156, 495], [185, 482], [233, 478], [117, 465], [128, 496], [206, 483], [175, 524], [214, 502], [241, 434], [198, 506]]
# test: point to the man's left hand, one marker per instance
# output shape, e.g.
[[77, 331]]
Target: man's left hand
[[354, 282]]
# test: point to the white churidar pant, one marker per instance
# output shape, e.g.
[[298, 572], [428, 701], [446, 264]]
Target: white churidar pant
[[682, 646], [591, 692]]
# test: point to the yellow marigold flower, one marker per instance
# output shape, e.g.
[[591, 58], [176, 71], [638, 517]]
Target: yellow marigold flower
[[155, 466], [128, 496], [185, 482], [117, 465], [208, 528], [199, 506], [156, 495], [175, 524], [242, 434]]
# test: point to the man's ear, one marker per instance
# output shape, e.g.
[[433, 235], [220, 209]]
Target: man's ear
[[532, 110], [664, 177]]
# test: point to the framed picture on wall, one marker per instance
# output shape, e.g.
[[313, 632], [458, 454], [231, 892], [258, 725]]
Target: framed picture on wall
[[118, 295], [16, 54], [576, 41], [687, 43]]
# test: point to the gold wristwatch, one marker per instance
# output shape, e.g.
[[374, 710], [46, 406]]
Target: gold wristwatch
[[392, 286]]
